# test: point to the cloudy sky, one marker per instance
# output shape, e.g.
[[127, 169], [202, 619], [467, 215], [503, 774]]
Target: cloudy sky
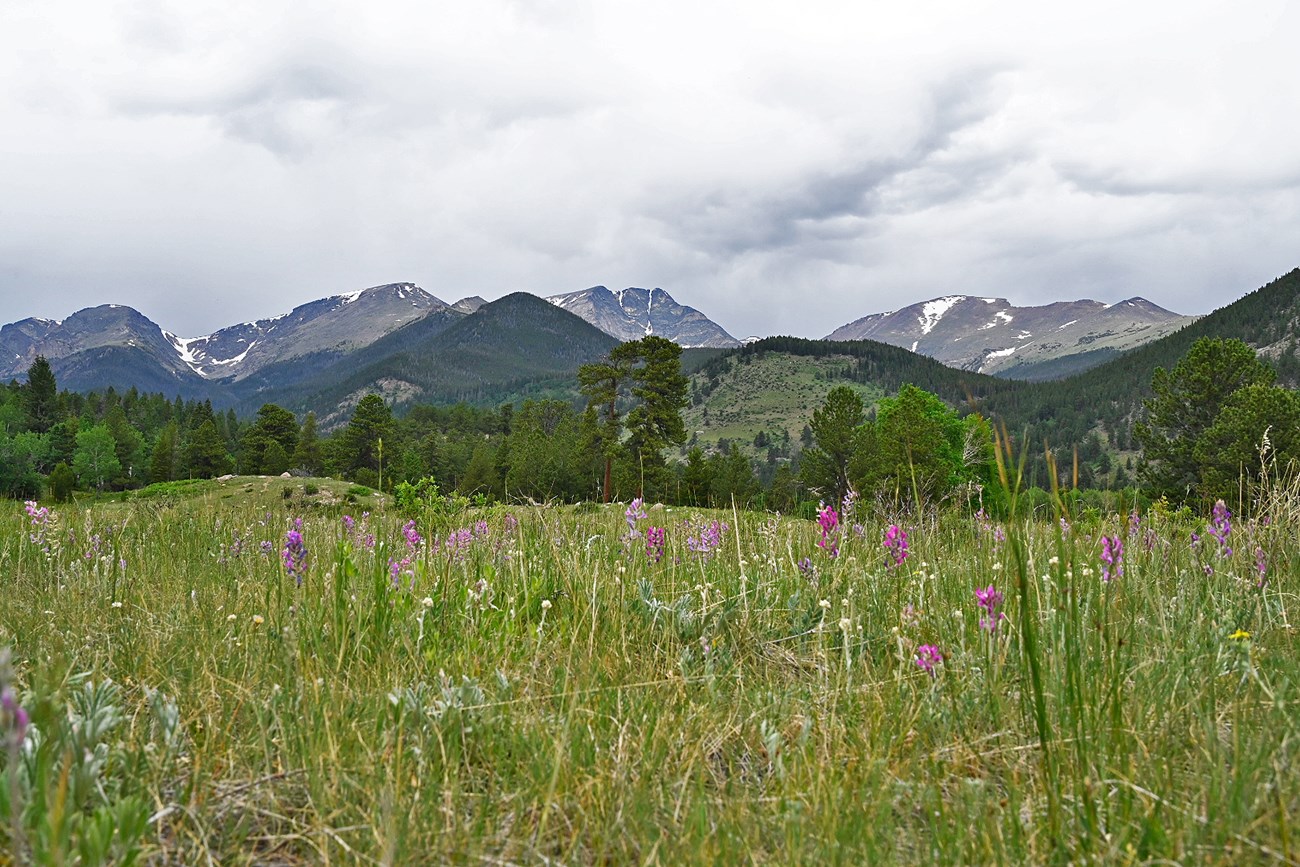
[[784, 167]]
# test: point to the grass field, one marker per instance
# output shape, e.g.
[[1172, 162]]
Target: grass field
[[539, 685]]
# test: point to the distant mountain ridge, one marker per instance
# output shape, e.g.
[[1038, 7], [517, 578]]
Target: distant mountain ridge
[[630, 314], [336, 324], [991, 335]]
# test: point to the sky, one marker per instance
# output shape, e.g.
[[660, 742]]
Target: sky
[[783, 167]]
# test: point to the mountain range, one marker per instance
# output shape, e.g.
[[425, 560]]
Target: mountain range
[[990, 335], [403, 342]]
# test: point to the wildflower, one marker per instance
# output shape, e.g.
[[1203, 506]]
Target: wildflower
[[295, 554], [413, 538], [828, 520], [825, 605], [990, 599], [1134, 522], [1112, 556], [707, 538], [397, 568], [1239, 635], [807, 568], [267, 547], [117, 604], [655, 540], [896, 544], [634, 513], [1221, 526], [427, 602], [231, 617], [927, 657], [546, 605], [258, 620], [349, 524]]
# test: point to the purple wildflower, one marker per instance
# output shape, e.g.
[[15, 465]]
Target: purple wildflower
[[707, 538], [413, 537], [927, 657], [267, 547], [1261, 566], [1112, 557], [655, 540], [398, 568], [896, 544], [295, 554], [1134, 522], [829, 521], [1221, 526], [349, 524], [511, 523], [990, 599], [633, 514], [807, 568]]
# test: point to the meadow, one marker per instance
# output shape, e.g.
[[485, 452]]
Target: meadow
[[284, 672]]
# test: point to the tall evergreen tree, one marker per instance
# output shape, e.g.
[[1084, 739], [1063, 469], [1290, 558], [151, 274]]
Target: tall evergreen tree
[[41, 396], [603, 383], [655, 421], [162, 459], [307, 453], [835, 433], [359, 443], [205, 453]]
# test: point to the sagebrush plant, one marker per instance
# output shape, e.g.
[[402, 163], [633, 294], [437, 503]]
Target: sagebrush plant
[[533, 685]]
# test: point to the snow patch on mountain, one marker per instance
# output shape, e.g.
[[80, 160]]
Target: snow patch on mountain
[[933, 311]]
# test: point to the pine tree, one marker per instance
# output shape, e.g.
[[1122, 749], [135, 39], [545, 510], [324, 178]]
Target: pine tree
[[603, 382], [307, 454], [835, 436], [205, 453], [41, 396], [162, 460], [359, 443], [655, 423], [1186, 403]]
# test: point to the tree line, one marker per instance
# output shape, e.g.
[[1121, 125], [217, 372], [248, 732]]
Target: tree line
[[1201, 435]]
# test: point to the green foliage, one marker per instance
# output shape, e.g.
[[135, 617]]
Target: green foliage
[[914, 448], [423, 499], [1186, 402], [40, 396], [273, 426], [162, 458], [307, 454], [837, 430], [95, 462], [205, 452], [1256, 433], [358, 446], [62, 482], [21, 458]]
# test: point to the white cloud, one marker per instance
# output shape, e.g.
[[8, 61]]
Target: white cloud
[[783, 167]]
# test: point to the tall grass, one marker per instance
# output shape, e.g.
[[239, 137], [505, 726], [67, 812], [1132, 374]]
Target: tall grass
[[545, 692]]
